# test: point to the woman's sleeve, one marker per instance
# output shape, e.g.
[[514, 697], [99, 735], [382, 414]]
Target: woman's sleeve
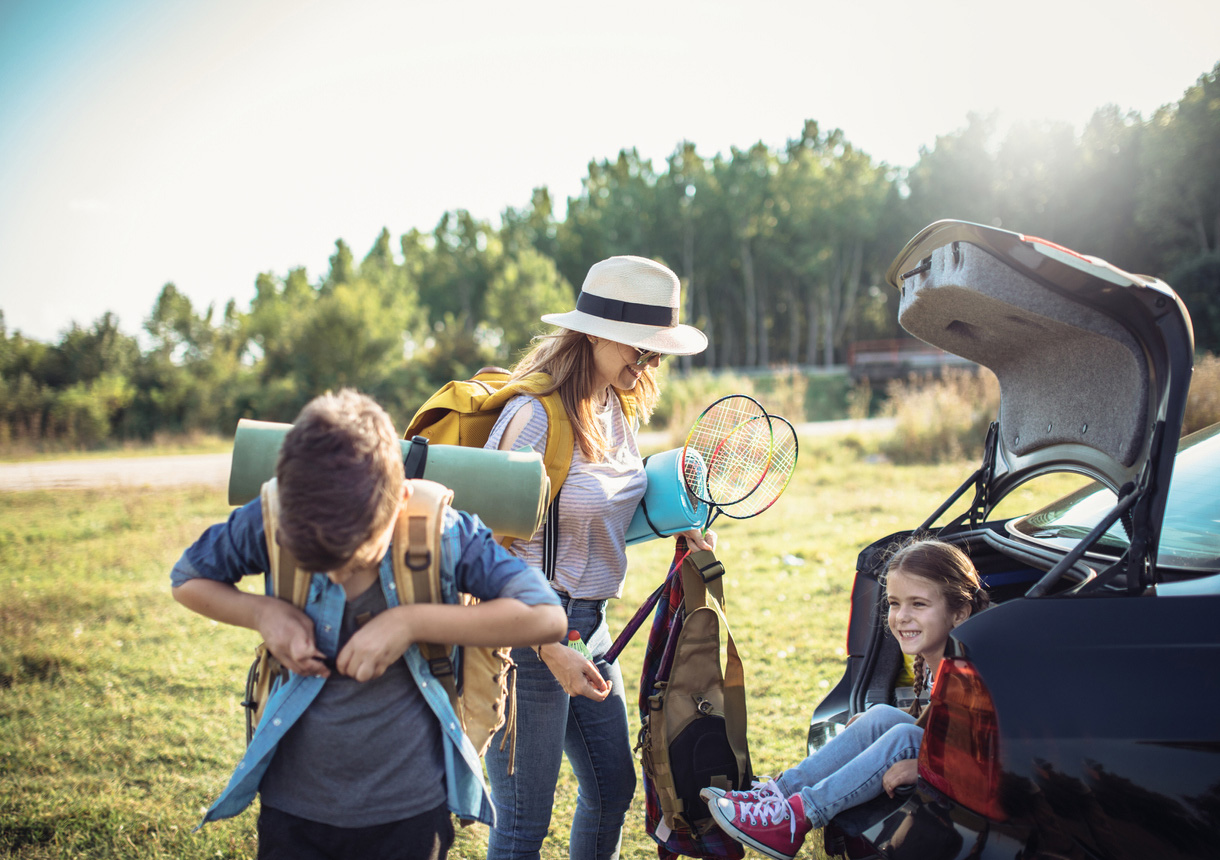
[[533, 436]]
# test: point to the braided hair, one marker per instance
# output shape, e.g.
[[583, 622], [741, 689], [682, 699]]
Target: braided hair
[[953, 573]]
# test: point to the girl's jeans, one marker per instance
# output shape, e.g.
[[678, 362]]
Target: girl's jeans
[[550, 723], [848, 770]]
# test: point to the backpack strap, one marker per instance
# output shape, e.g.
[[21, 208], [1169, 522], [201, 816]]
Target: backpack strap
[[703, 585], [550, 538], [417, 567], [282, 579]]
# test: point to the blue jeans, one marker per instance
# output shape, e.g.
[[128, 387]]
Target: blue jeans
[[848, 770], [550, 723]]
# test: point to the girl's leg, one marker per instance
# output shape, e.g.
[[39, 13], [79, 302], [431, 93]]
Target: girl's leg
[[598, 745], [858, 759], [842, 748], [523, 800]]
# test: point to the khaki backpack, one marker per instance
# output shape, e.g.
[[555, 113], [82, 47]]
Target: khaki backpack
[[692, 708], [481, 685]]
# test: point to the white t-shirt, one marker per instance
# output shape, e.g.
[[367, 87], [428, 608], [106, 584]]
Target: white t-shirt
[[596, 503]]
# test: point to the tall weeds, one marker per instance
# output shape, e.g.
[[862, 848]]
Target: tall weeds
[[942, 419], [1203, 403]]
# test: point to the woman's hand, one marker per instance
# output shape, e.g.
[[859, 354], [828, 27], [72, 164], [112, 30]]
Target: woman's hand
[[697, 539], [905, 772], [575, 674]]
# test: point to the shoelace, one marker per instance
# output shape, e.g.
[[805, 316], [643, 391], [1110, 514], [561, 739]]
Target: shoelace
[[772, 808]]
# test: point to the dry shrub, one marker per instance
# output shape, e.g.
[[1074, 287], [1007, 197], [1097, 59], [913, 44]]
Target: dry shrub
[[941, 419], [783, 392], [1203, 401], [684, 397], [860, 400]]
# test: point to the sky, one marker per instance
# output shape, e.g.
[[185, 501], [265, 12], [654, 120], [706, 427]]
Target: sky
[[202, 142]]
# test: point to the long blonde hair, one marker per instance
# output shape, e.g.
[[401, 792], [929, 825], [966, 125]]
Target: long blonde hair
[[567, 357]]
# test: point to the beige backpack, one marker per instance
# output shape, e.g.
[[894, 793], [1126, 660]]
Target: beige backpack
[[481, 686]]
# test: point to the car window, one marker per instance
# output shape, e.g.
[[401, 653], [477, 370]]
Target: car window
[[1190, 532]]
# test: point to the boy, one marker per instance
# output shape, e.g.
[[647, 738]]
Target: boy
[[359, 754]]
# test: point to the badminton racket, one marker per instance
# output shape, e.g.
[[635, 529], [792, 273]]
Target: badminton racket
[[781, 465], [739, 465], [708, 435]]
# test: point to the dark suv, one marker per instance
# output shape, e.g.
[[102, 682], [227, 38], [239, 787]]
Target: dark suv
[[1080, 716]]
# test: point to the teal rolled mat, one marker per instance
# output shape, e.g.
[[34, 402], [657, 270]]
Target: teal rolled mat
[[508, 490], [667, 508]]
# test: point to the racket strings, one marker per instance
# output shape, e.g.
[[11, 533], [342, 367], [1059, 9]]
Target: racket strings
[[781, 465], [726, 472]]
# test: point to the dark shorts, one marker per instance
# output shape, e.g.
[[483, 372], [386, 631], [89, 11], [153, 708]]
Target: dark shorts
[[286, 837]]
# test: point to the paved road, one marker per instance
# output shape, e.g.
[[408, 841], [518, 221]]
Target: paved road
[[208, 469], [213, 469]]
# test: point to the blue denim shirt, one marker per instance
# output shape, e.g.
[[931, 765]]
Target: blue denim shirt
[[471, 562]]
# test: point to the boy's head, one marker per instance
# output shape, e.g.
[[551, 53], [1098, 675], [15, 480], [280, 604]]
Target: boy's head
[[341, 480]]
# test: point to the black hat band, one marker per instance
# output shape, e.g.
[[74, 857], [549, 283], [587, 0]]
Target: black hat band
[[628, 312]]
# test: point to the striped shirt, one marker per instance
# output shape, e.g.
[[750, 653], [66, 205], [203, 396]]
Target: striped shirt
[[595, 507]]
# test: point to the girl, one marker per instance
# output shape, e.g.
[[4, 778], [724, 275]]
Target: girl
[[602, 363], [930, 588]]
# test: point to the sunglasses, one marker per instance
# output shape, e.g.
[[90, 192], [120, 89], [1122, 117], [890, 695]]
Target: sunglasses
[[645, 357]]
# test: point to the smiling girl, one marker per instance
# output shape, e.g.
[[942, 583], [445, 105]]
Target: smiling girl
[[930, 588]]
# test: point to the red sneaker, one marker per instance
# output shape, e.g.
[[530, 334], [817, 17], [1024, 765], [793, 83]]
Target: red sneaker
[[775, 826], [763, 789]]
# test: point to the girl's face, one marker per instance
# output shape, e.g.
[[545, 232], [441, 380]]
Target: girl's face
[[919, 615], [615, 364]]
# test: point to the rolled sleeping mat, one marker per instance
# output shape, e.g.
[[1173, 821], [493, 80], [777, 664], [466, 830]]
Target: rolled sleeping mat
[[508, 490], [667, 508]]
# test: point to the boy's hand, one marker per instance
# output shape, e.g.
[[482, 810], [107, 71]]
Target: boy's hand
[[372, 648], [575, 674], [288, 633]]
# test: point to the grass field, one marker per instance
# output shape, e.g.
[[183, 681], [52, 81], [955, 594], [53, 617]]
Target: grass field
[[119, 710]]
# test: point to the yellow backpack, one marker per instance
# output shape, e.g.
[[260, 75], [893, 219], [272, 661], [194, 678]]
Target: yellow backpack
[[463, 412], [480, 683]]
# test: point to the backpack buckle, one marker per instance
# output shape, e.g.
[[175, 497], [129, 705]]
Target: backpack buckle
[[441, 667]]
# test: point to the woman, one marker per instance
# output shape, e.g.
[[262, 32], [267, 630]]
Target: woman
[[930, 588], [601, 361]]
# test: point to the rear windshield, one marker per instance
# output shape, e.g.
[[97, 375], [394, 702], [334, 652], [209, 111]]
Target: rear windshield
[[1190, 534]]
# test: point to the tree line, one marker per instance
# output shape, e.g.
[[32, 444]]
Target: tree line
[[782, 253]]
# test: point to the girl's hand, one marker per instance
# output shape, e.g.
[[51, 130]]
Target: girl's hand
[[905, 772], [696, 539], [575, 674]]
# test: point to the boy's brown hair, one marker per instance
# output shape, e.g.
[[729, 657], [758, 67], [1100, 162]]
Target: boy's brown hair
[[340, 478]]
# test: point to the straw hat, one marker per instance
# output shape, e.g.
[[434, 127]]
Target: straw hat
[[635, 301]]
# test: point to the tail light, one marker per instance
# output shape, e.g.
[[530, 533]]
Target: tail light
[[959, 754]]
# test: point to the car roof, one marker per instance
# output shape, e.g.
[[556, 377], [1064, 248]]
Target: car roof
[[1093, 362]]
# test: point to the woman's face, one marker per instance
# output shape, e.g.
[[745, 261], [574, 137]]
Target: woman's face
[[615, 364], [919, 615]]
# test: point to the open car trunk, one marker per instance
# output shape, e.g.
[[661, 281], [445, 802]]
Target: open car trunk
[[1093, 363]]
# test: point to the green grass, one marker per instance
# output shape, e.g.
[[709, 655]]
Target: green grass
[[119, 710]]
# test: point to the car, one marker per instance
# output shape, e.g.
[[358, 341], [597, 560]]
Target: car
[[1079, 716]]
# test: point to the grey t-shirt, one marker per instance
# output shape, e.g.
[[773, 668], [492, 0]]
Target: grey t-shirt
[[361, 754]]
